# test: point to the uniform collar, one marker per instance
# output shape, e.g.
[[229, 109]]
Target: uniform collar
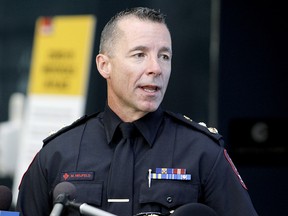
[[148, 125], [111, 122]]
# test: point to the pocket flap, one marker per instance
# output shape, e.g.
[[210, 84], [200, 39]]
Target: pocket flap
[[90, 193], [169, 193]]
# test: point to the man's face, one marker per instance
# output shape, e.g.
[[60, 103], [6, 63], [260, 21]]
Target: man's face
[[140, 66]]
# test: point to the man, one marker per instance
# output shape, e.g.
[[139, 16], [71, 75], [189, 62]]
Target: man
[[175, 161]]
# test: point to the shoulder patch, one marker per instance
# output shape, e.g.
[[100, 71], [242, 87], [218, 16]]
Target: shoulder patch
[[79, 121], [234, 169], [201, 126]]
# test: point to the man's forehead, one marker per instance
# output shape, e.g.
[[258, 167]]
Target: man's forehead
[[141, 33], [140, 27]]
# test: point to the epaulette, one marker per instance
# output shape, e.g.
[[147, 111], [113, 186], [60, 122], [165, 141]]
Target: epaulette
[[201, 126], [76, 123]]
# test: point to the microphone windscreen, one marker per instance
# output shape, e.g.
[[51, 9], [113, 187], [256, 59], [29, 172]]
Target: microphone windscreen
[[194, 209], [5, 198], [66, 188]]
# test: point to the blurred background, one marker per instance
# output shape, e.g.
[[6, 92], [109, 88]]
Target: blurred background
[[229, 70]]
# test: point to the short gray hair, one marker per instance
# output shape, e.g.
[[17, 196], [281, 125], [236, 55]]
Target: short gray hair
[[111, 32]]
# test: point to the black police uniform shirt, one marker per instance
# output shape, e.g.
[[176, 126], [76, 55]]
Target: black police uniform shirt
[[82, 152]]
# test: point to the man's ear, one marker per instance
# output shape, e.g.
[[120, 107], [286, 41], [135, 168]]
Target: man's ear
[[103, 65]]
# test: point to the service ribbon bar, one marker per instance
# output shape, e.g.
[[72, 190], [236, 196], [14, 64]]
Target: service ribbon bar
[[171, 176], [170, 171]]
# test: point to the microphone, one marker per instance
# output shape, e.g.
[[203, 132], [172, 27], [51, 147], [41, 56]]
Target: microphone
[[5, 198], [5, 202], [62, 193], [86, 209], [194, 209]]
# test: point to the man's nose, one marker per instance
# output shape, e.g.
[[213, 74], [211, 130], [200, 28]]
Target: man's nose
[[154, 67]]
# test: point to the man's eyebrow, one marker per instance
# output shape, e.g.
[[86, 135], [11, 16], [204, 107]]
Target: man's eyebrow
[[166, 49], [139, 48], [143, 48]]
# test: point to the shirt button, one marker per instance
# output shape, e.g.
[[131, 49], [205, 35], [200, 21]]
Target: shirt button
[[169, 199]]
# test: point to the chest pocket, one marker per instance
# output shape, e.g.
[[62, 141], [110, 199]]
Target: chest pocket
[[89, 193], [169, 193]]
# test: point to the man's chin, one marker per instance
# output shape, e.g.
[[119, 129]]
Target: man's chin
[[150, 107]]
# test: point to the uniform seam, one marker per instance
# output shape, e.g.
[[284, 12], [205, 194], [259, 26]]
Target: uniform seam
[[41, 168], [174, 142], [79, 147], [214, 165]]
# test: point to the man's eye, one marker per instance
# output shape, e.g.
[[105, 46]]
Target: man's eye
[[165, 57], [139, 55]]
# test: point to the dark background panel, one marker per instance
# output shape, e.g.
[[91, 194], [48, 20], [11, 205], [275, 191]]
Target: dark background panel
[[253, 64], [252, 103]]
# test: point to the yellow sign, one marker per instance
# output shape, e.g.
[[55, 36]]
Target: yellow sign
[[62, 55]]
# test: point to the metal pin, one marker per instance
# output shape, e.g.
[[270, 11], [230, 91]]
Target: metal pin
[[149, 178]]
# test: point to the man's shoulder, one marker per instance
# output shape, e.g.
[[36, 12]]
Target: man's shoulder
[[198, 126], [81, 121]]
